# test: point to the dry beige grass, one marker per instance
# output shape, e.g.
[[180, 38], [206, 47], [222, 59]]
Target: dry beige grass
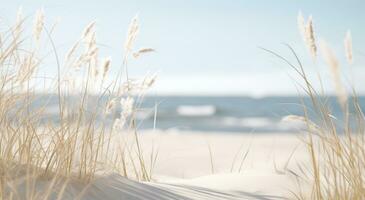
[[307, 31], [336, 144], [348, 47], [77, 146]]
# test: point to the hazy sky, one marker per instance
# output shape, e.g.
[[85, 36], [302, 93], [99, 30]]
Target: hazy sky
[[208, 46]]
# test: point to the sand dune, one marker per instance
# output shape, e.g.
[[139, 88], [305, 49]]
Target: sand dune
[[114, 186], [184, 169]]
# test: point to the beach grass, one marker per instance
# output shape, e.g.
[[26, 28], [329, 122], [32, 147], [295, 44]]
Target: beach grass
[[79, 144], [335, 144]]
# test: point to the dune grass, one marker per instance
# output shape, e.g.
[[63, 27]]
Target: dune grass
[[335, 144], [80, 144]]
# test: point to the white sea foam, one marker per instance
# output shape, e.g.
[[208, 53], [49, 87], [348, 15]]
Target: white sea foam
[[201, 110], [253, 122]]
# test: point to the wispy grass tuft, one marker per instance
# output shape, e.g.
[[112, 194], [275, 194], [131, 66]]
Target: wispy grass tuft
[[81, 143], [335, 144]]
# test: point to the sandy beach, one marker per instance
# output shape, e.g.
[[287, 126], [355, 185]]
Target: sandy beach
[[237, 166], [254, 163], [245, 166]]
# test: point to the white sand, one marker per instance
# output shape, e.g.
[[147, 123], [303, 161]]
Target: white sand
[[184, 171], [184, 158]]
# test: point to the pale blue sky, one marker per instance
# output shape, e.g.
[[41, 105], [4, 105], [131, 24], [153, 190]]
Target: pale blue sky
[[208, 46]]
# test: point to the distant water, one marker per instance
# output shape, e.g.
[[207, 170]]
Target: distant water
[[231, 114], [216, 113]]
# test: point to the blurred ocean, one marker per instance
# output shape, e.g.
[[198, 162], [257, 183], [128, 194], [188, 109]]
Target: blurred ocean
[[216, 113], [233, 114]]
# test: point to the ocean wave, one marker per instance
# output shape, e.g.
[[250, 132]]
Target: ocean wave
[[201, 110], [253, 122]]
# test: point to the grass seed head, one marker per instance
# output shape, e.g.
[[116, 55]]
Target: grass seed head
[[348, 47]]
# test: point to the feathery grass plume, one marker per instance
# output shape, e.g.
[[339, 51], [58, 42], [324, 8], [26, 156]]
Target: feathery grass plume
[[89, 56], [348, 47], [131, 35], [332, 62], [301, 25], [96, 71], [91, 46], [311, 42], [19, 15], [106, 65], [18, 22], [128, 87], [91, 51], [148, 81], [142, 51], [38, 24], [88, 29], [307, 32]]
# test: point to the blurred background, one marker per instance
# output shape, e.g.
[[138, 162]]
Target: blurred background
[[212, 75]]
